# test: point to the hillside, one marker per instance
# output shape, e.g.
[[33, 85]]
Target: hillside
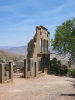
[[18, 50], [9, 56], [22, 50]]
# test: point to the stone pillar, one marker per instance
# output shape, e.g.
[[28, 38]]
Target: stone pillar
[[11, 71], [1, 73], [25, 68], [48, 60], [43, 65], [36, 64], [32, 67]]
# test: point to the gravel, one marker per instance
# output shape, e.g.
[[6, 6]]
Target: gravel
[[48, 87]]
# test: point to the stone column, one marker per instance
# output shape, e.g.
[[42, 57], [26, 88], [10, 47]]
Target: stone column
[[11, 71], [32, 67], [42, 64], [1, 73], [36, 64], [25, 68], [48, 60]]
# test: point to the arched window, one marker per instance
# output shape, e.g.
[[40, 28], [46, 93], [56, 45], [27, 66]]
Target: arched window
[[40, 45], [47, 45], [44, 45]]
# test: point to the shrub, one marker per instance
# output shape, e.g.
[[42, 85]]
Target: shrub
[[14, 68], [56, 67], [59, 62], [73, 73], [69, 71]]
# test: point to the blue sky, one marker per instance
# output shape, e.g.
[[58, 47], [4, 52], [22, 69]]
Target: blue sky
[[19, 18]]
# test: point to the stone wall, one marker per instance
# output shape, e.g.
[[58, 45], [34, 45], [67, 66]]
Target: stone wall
[[35, 50], [6, 74]]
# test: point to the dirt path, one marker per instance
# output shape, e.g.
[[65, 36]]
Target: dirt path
[[48, 87]]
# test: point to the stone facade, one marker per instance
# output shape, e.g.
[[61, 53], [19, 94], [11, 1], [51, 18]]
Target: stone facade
[[38, 52]]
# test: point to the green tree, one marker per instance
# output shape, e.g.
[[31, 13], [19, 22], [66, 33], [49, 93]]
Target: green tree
[[64, 39]]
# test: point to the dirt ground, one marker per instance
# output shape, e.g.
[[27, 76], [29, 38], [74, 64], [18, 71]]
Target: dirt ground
[[48, 87]]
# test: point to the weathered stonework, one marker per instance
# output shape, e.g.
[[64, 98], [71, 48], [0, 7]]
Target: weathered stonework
[[38, 52], [9, 73]]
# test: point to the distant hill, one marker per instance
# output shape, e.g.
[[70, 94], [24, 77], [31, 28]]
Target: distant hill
[[6, 55], [17, 50], [4, 47], [11, 56]]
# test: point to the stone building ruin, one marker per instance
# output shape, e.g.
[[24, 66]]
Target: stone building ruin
[[38, 53]]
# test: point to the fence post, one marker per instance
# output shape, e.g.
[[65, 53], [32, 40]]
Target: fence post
[[11, 71], [1, 73], [25, 68]]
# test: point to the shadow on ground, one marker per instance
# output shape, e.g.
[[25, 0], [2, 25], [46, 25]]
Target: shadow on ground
[[67, 94], [72, 83], [70, 94]]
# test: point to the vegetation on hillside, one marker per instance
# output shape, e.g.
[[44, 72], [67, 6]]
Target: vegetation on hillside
[[9, 56]]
